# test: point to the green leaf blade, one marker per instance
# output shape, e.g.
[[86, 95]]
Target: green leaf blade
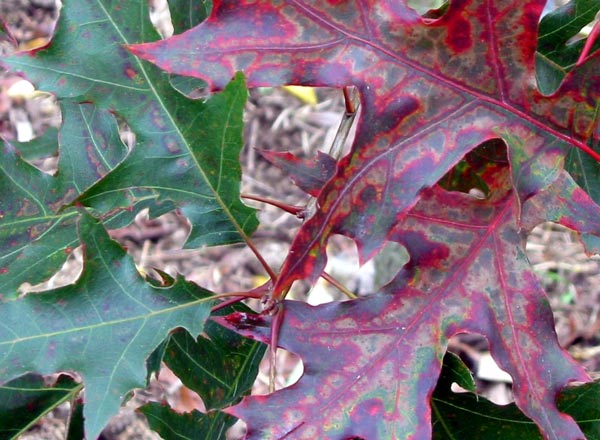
[[177, 145], [173, 426], [104, 326], [24, 400]]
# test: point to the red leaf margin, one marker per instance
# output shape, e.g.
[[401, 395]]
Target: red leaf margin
[[428, 97], [371, 365], [431, 91]]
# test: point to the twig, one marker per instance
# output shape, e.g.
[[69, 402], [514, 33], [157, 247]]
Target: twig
[[338, 285], [591, 39], [295, 210], [352, 101]]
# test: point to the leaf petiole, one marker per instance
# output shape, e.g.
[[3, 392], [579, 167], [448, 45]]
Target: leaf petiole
[[295, 210], [331, 280]]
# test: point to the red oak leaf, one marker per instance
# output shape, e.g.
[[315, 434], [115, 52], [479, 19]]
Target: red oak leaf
[[431, 90], [370, 365]]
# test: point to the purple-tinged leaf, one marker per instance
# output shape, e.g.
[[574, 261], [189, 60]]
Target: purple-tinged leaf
[[370, 365], [431, 91]]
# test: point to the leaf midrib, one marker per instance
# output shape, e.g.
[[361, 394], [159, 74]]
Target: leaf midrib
[[114, 322], [177, 130]]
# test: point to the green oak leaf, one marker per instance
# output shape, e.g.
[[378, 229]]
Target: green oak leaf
[[186, 150], [26, 399], [36, 232], [104, 326], [468, 415], [220, 366], [185, 14], [193, 425]]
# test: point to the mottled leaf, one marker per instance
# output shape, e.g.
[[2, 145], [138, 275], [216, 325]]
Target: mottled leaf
[[431, 90], [36, 234], [370, 365], [193, 425], [186, 150], [104, 326], [23, 401]]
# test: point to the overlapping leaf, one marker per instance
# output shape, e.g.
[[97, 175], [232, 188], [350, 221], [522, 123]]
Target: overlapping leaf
[[466, 415], [185, 14], [220, 366], [174, 426], [35, 234], [186, 151], [370, 365], [26, 399], [556, 55], [104, 326], [431, 90]]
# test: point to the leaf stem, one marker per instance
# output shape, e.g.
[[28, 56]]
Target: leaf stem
[[260, 258], [350, 107], [236, 297], [331, 280], [591, 39], [352, 100], [352, 104], [295, 210], [275, 328]]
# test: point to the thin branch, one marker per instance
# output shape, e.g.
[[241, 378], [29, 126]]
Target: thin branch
[[259, 256], [295, 210], [352, 100], [350, 106], [591, 39], [331, 280], [275, 328], [235, 297]]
